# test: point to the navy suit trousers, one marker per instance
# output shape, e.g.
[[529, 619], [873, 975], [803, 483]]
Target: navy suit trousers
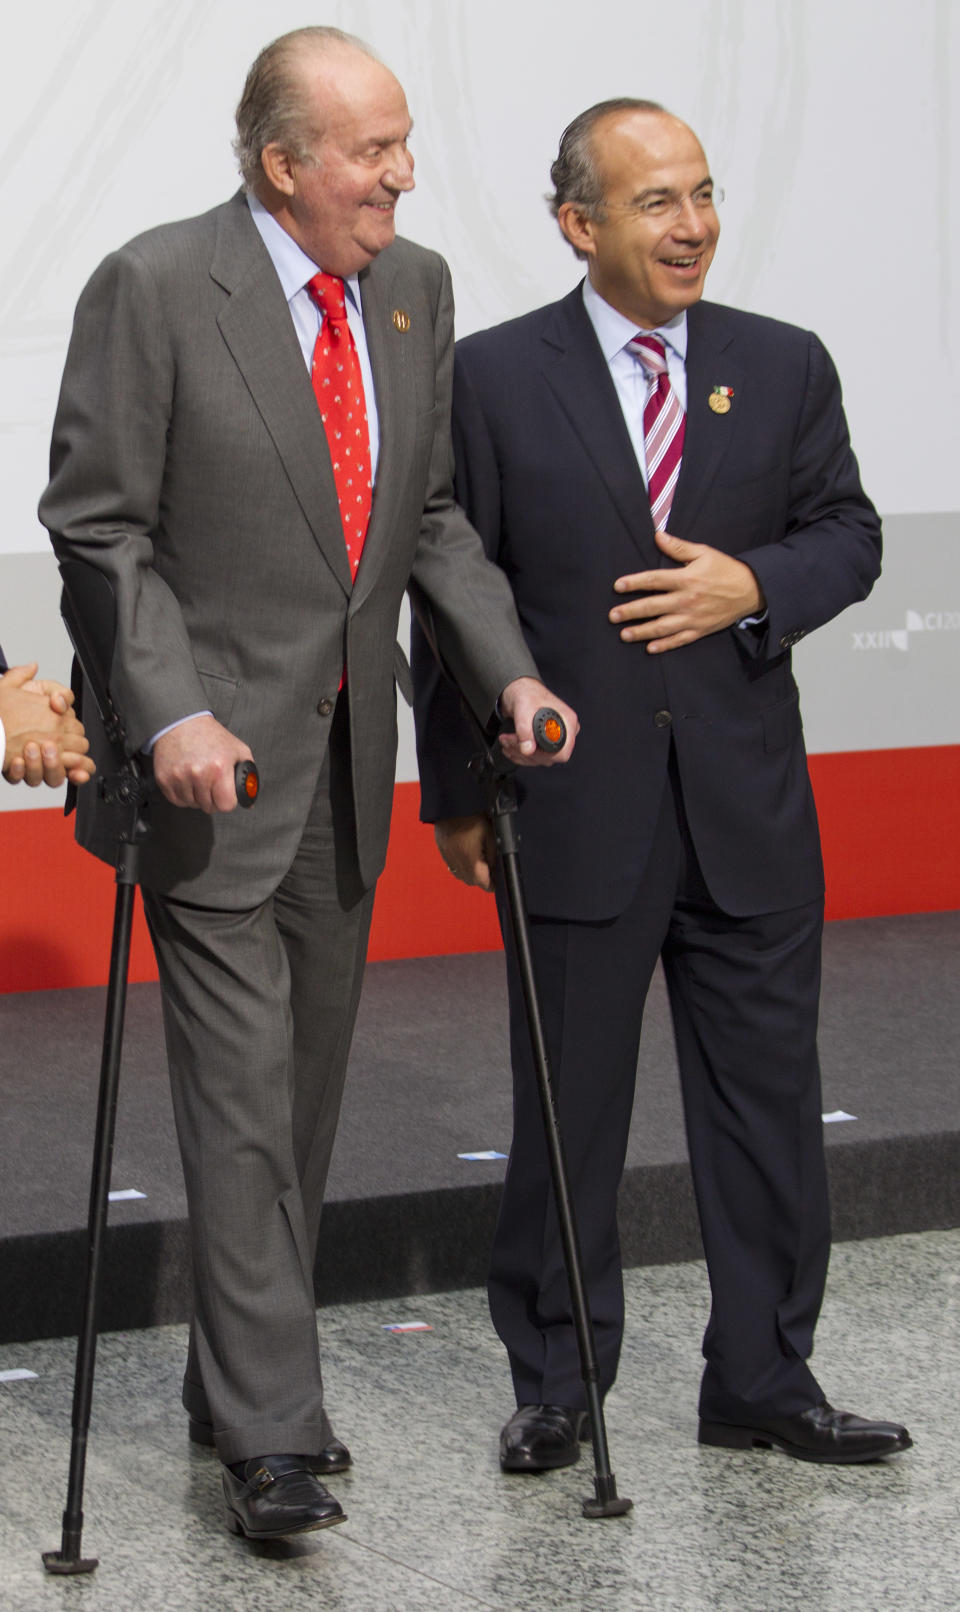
[[743, 994]]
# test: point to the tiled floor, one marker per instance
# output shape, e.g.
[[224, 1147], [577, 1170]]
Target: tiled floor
[[434, 1525]]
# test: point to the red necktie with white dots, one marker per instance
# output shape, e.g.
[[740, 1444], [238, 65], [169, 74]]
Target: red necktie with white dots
[[338, 386]]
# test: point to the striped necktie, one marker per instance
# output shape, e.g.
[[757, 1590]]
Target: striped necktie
[[663, 426]]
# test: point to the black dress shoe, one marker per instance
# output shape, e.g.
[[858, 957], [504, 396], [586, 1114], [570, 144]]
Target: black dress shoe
[[273, 1495], [333, 1458], [538, 1438], [819, 1434]]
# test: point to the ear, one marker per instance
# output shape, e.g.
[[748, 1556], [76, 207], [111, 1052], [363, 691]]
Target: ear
[[278, 166], [577, 228]]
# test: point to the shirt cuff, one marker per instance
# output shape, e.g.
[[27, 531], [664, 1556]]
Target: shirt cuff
[[148, 748]]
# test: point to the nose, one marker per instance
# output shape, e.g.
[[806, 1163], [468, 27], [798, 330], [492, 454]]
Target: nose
[[691, 222], [399, 175]]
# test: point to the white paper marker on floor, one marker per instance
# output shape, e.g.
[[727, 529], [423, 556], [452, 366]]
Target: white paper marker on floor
[[125, 1195], [407, 1326], [478, 1158], [18, 1376], [837, 1117]]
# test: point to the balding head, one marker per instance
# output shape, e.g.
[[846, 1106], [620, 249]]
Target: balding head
[[575, 174], [648, 227], [338, 160], [276, 107]]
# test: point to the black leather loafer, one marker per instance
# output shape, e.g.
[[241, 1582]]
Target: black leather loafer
[[333, 1458], [819, 1434], [539, 1438], [276, 1495]]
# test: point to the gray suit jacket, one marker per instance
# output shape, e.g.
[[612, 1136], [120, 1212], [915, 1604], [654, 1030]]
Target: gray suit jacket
[[189, 463]]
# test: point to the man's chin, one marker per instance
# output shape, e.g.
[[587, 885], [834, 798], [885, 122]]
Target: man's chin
[[374, 242], [683, 300]]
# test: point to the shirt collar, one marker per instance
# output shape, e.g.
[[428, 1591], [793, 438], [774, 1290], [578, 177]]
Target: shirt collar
[[614, 330], [292, 264]]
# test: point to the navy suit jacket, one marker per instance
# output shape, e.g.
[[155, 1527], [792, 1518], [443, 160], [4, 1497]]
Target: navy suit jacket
[[547, 474]]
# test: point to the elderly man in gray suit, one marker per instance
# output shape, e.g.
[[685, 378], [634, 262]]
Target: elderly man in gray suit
[[252, 444]]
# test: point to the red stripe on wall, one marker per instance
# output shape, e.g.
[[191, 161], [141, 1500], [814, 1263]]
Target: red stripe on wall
[[890, 824], [890, 821], [421, 910]]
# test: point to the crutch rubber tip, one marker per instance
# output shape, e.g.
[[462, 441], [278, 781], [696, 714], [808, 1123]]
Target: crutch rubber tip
[[606, 1502], [55, 1562]]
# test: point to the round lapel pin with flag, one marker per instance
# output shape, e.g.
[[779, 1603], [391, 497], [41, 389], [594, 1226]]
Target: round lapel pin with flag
[[721, 399]]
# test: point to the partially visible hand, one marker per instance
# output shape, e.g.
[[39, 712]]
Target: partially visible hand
[[193, 764], [58, 696], [468, 847], [45, 742], [44, 763], [520, 701], [707, 591]]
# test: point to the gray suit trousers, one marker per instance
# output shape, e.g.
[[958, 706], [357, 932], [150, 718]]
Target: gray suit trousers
[[259, 1007]]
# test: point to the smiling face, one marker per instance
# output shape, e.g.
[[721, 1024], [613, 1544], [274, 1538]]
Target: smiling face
[[646, 259], [338, 203]]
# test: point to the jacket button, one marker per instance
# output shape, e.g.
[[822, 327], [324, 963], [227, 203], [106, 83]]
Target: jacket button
[[325, 706], [790, 638], [662, 719]]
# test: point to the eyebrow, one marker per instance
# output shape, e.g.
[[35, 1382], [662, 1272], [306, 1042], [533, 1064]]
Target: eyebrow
[[664, 190], [387, 139]]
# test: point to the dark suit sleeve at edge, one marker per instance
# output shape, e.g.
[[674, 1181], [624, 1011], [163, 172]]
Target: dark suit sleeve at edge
[[829, 556]]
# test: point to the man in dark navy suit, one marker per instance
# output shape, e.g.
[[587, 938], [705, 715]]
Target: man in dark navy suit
[[670, 488]]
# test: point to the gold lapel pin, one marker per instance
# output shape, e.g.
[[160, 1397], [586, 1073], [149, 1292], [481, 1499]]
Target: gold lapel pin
[[721, 399], [401, 321]]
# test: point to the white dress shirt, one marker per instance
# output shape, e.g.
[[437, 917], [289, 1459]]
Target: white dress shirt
[[614, 331]]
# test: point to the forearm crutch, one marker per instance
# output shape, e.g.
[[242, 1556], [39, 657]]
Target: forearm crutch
[[496, 776], [88, 608]]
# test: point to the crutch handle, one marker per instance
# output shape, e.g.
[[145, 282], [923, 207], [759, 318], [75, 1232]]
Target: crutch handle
[[247, 780], [549, 729]]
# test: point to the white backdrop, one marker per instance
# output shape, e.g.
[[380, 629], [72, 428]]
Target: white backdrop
[[832, 125]]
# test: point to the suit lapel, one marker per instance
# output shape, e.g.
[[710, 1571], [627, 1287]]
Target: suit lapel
[[255, 324], [708, 437], [391, 360], [576, 370]]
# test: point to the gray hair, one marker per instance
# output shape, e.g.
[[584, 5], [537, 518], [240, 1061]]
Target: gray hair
[[272, 106], [575, 174]]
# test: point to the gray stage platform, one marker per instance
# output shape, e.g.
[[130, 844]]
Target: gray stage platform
[[428, 1081]]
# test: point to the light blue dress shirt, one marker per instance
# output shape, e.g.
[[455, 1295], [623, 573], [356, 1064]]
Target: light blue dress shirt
[[294, 271]]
